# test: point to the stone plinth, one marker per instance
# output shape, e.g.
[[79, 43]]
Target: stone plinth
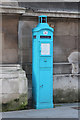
[[14, 87], [66, 88]]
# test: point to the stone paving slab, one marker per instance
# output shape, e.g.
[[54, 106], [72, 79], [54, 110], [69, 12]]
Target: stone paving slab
[[60, 111]]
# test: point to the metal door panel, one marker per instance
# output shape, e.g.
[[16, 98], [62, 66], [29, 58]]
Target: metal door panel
[[45, 85]]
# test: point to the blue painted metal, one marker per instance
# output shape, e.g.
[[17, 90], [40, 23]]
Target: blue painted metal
[[42, 64]]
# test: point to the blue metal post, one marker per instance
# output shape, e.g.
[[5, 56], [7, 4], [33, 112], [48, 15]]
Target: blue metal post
[[42, 64]]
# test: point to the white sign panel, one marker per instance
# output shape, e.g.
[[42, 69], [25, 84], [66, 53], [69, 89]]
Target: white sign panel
[[45, 48]]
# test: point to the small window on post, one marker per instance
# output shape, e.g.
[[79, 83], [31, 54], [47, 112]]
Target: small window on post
[[40, 19], [43, 19]]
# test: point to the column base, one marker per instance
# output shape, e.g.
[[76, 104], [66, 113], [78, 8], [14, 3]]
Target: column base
[[44, 106]]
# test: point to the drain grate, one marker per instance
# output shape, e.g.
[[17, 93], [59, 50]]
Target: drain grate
[[77, 108]]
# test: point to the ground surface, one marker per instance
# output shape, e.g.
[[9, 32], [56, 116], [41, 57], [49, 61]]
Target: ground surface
[[60, 111]]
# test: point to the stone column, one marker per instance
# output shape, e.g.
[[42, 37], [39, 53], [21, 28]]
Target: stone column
[[13, 77]]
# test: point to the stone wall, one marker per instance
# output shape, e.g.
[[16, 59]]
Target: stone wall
[[65, 38], [17, 48]]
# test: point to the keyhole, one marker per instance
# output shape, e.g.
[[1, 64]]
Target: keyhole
[[41, 86], [45, 60]]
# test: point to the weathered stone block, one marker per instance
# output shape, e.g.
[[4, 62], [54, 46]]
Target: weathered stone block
[[60, 58], [63, 46], [14, 87], [67, 28], [68, 96], [19, 103], [10, 44], [64, 41], [66, 88], [10, 55], [62, 68]]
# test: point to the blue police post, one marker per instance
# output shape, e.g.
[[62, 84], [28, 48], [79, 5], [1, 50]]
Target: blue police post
[[42, 64]]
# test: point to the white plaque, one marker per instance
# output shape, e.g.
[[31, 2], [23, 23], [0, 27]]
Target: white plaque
[[45, 48]]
